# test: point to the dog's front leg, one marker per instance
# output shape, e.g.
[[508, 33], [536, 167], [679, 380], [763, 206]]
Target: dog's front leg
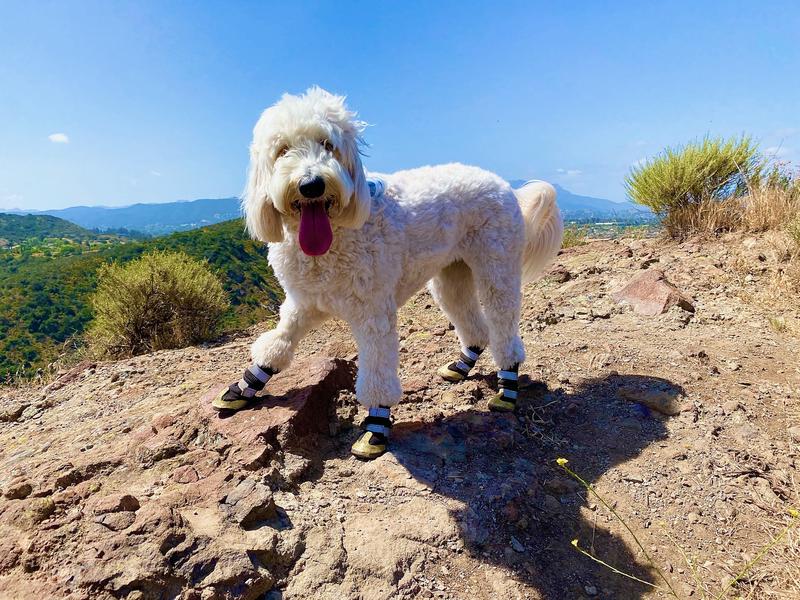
[[271, 352], [378, 385]]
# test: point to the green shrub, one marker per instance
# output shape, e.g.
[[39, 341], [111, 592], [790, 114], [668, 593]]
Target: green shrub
[[682, 178], [161, 300], [574, 235]]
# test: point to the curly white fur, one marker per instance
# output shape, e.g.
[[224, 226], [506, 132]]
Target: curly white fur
[[460, 228]]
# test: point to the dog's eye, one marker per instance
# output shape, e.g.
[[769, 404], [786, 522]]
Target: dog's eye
[[283, 150], [327, 145]]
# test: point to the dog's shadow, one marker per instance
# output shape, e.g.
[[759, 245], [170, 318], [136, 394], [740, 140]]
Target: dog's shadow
[[518, 508]]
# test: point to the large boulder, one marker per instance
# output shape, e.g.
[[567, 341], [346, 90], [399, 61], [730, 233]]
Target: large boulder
[[651, 294]]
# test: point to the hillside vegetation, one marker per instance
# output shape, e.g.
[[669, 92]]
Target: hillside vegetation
[[44, 298], [715, 185]]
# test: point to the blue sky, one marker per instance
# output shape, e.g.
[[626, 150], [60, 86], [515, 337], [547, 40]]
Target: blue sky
[[155, 101]]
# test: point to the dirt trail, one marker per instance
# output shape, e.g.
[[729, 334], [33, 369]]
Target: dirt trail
[[119, 482]]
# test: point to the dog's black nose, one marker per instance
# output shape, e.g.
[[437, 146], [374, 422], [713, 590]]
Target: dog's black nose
[[312, 187]]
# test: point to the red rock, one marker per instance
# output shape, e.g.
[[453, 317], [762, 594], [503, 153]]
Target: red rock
[[115, 503], [298, 403], [185, 474], [159, 447], [71, 375], [163, 421], [9, 555], [651, 294], [116, 521], [18, 490], [249, 502]]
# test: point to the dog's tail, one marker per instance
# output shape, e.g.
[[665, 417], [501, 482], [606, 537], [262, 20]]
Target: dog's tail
[[544, 228]]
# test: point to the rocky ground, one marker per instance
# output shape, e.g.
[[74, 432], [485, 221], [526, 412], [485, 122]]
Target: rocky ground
[[679, 404]]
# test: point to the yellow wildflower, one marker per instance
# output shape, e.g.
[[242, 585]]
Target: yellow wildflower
[[561, 461]]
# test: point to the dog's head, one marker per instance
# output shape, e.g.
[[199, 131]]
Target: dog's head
[[305, 171]]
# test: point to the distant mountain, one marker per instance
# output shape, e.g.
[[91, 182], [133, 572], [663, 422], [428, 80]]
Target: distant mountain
[[154, 219], [167, 217], [15, 229], [579, 208]]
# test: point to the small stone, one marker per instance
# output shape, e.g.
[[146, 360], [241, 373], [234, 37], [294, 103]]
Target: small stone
[[9, 415], [658, 400], [115, 503], [249, 502], [631, 424], [18, 490], [185, 474], [36, 511], [156, 449], [560, 486], [730, 407], [30, 412], [517, 545], [117, 521], [634, 477], [693, 517], [794, 432], [551, 504], [590, 590], [449, 397]]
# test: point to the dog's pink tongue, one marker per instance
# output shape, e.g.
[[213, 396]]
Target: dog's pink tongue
[[315, 229]]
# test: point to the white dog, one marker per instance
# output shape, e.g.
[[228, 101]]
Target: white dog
[[355, 246]]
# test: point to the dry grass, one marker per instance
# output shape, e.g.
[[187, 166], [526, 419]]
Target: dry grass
[[764, 208]]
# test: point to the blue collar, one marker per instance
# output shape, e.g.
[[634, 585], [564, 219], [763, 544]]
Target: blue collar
[[376, 187]]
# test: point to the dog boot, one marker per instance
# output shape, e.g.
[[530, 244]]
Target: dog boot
[[241, 393], [506, 399], [459, 370], [372, 443]]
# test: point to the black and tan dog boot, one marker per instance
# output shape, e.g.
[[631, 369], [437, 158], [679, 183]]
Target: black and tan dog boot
[[240, 394], [506, 399], [459, 370], [375, 439]]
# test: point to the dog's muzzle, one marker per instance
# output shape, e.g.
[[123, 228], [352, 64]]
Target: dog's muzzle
[[312, 186]]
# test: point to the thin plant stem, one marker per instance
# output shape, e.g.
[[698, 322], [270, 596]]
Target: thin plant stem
[[792, 524], [695, 574], [591, 489], [614, 569]]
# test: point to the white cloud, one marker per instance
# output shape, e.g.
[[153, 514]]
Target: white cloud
[[155, 173], [640, 162], [569, 172], [58, 138]]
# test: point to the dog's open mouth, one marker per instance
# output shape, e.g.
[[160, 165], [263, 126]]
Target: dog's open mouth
[[316, 235]]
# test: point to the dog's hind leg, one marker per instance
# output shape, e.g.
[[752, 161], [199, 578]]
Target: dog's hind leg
[[271, 352], [499, 285], [454, 291]]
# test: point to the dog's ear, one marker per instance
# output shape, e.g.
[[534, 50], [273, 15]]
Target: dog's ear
[[263, 220], [356, 213]]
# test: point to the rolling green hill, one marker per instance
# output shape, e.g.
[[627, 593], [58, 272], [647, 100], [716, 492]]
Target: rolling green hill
[[19, 228], [43, 235], [44, 298]]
